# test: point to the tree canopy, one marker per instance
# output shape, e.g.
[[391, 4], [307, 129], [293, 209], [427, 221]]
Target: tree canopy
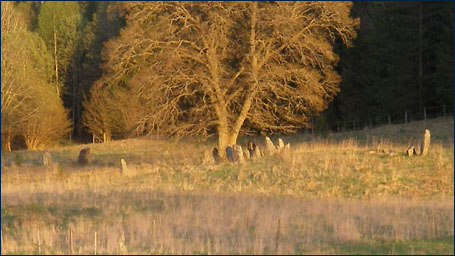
[[224, 67]]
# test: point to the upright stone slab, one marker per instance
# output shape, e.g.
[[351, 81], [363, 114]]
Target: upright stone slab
[[410, 151], [84, 156], [280, 144], [425, 143], [229, 154], [124, 167], [246, 154], [287, 148], [216, 156], [257, 152], [238, 154], [270, 147], [47, 159], [251, 148]]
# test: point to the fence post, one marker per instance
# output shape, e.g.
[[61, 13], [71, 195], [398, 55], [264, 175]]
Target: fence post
[[424, 113], [277, 238], [39, 243], [353, 125], [406, 116], [71, 241], [389, 120], [444, 109], [338, 126], [95, 242]]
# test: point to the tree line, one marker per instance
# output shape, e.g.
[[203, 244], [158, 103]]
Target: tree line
[[125, 69]]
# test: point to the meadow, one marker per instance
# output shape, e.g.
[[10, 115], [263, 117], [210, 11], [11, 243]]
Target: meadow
[[345, 193]]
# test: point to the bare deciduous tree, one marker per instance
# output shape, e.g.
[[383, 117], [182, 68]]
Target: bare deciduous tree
[[229, 67]]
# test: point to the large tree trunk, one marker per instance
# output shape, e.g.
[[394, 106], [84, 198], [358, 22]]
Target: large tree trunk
[[226, 137]]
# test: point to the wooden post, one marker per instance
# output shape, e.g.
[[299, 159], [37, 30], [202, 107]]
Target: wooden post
[[390, 122], [353, 125], [424, 113], [371, 123], [247, 220], [406, 116], [95, 242], [71, 241], [338, 126], [277, 239], [39, 243], [104, 137], [444, 109]]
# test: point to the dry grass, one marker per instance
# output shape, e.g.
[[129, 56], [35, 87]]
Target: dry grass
[[326, 192], [189, 223]]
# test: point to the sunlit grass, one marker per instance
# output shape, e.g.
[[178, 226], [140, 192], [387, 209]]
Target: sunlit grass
[[335, 194]]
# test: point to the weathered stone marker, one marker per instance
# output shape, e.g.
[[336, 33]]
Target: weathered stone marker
[[216, 156], [251, 147], [280, 144], [229, 154], [47, 159], [84, 156], [270, 147], [287, 148], [410, 151], [425, 143], [238, 154], [246, 154], [124, 167], [257, 152]]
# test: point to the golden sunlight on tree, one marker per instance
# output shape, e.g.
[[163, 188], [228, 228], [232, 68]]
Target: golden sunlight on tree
[[225, 67]]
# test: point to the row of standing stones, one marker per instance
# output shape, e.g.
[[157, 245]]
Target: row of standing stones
[[235, 153]]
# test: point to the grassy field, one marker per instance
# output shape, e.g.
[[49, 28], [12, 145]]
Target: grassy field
[[347, 193]]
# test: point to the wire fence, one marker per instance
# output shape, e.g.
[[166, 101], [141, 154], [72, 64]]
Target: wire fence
[[401, 117]]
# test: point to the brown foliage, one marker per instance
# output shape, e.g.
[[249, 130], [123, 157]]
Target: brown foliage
[[228, 67]]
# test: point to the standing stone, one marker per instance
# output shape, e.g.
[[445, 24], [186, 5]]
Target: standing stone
[[270, 147], [246, 154], [280, 144], [124, 166], [410, 151], [229, 154], [84, 156], [257, 152], [287, 148], [47, 159], [238, 154], [216, 156], [425, 143], [251, 148]]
